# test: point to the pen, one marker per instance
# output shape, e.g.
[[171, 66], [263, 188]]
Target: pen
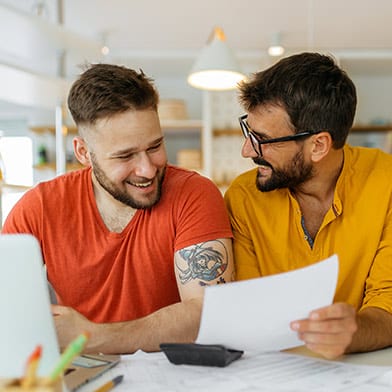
[[72, 350], [110, 384], [31, 368]]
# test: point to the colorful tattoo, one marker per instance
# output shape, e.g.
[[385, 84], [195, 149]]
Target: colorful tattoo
[[206, 261]]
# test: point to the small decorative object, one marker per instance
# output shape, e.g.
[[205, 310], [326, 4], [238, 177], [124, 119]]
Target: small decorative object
[[42, 154]]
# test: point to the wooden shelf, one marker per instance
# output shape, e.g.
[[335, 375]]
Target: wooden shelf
[[181, 124], [355, 128], [183, 127], [10, 188], [371, 128], [168, 126], [227, 132], [52, 166], [40, 130]]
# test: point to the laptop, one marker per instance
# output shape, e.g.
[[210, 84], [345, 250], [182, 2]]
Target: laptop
[[26, 319]]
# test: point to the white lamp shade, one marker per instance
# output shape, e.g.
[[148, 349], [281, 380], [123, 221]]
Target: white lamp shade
[[276, 48], [216, 67]]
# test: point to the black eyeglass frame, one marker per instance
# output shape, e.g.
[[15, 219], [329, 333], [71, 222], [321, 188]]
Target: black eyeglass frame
[[257, 143]]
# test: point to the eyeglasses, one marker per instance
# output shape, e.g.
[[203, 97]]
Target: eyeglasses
[[257, 143]]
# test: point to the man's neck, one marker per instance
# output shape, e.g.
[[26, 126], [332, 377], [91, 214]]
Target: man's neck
[[115, 215], [315, 197], [322, 185]]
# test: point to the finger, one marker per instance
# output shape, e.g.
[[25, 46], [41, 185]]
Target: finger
[[327, 345], [326, 338], [335, 311], [328, 326]]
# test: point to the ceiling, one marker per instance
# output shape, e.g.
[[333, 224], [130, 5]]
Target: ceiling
[[172, 31], [163, 37]]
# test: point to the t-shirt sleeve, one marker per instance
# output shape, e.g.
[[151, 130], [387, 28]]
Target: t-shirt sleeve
[[201, 214], [244, 255], [24, 217], [378, 291]]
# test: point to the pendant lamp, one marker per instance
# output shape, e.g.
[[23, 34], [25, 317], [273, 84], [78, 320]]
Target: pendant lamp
[[216, 67]]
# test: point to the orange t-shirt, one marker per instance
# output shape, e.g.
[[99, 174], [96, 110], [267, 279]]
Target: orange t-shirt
[[117, 276]]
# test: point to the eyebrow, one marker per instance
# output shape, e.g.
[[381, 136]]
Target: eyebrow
[[261, 135], [134, 150]]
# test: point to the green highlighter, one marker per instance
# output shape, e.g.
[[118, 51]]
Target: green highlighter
[[72, 350]]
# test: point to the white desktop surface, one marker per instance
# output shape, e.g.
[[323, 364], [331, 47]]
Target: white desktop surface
[[376, 358], [152, 372]]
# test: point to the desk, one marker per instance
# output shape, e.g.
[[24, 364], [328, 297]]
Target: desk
[[302, 372], [374, 358]]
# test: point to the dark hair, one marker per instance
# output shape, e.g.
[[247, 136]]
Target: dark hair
[[311, 88], [105, 89]]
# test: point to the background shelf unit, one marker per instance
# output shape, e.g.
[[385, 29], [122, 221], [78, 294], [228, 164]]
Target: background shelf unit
[[180, 135]]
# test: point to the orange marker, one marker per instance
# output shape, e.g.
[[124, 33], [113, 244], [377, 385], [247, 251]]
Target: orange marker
[[30, 376]]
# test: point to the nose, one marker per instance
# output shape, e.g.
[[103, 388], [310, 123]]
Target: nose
[[247, 150], [144, 166]]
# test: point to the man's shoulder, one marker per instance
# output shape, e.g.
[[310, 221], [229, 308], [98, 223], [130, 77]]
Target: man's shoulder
[[178, 175], [245, 181], [187, 186], [369, 159], [368, 152]]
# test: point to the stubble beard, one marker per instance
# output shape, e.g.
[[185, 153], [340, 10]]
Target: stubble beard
[[124, 197], [295, 174]]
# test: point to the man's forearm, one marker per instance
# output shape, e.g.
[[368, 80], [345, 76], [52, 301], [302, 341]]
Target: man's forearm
[[175, 323], [374, 330]]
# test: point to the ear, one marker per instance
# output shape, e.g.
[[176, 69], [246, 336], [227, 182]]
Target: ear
[[81, 151], [321, 145]]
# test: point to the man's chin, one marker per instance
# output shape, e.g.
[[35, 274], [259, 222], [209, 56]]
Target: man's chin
[[144, 202], [148, 204], [265, 185]]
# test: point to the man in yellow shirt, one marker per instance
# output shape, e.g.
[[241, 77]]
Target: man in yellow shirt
[[311, 196]]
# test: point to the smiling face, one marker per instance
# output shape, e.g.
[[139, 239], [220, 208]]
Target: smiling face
[[282, 165], [128, 156]]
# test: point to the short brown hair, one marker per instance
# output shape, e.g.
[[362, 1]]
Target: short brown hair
[[106, 89], [311, 88]]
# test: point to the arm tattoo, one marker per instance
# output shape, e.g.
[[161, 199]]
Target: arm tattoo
[[206, 261]]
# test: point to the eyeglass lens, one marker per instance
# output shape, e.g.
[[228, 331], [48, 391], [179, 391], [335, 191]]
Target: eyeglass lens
[[248, 134]]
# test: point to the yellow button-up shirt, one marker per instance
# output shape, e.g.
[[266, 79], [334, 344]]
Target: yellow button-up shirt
[[269, 237]]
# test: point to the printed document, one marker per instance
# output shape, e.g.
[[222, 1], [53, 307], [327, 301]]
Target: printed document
[[265, 372], [255, 315]]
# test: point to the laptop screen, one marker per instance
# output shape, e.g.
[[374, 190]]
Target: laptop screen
[[25, 307], [27, 319]]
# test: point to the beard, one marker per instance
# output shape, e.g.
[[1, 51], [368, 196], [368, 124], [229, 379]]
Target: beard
[[141, 202], [293, 175]]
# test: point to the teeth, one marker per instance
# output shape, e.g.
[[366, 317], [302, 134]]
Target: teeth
[[140, 185]]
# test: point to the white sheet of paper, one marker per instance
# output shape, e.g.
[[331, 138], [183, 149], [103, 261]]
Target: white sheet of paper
[[265, 372], [254, 315]]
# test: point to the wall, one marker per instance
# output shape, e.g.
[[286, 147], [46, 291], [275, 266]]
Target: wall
[[374, 106], [374, 98]]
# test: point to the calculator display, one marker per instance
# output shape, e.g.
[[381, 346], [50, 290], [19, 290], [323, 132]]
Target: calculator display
[[88, 362]]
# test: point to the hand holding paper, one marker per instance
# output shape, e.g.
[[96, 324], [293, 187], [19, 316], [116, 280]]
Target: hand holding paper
[[328, 331], [255, 315]]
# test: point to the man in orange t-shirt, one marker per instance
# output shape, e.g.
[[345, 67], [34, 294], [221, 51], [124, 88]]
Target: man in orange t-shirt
[[130, 241]]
